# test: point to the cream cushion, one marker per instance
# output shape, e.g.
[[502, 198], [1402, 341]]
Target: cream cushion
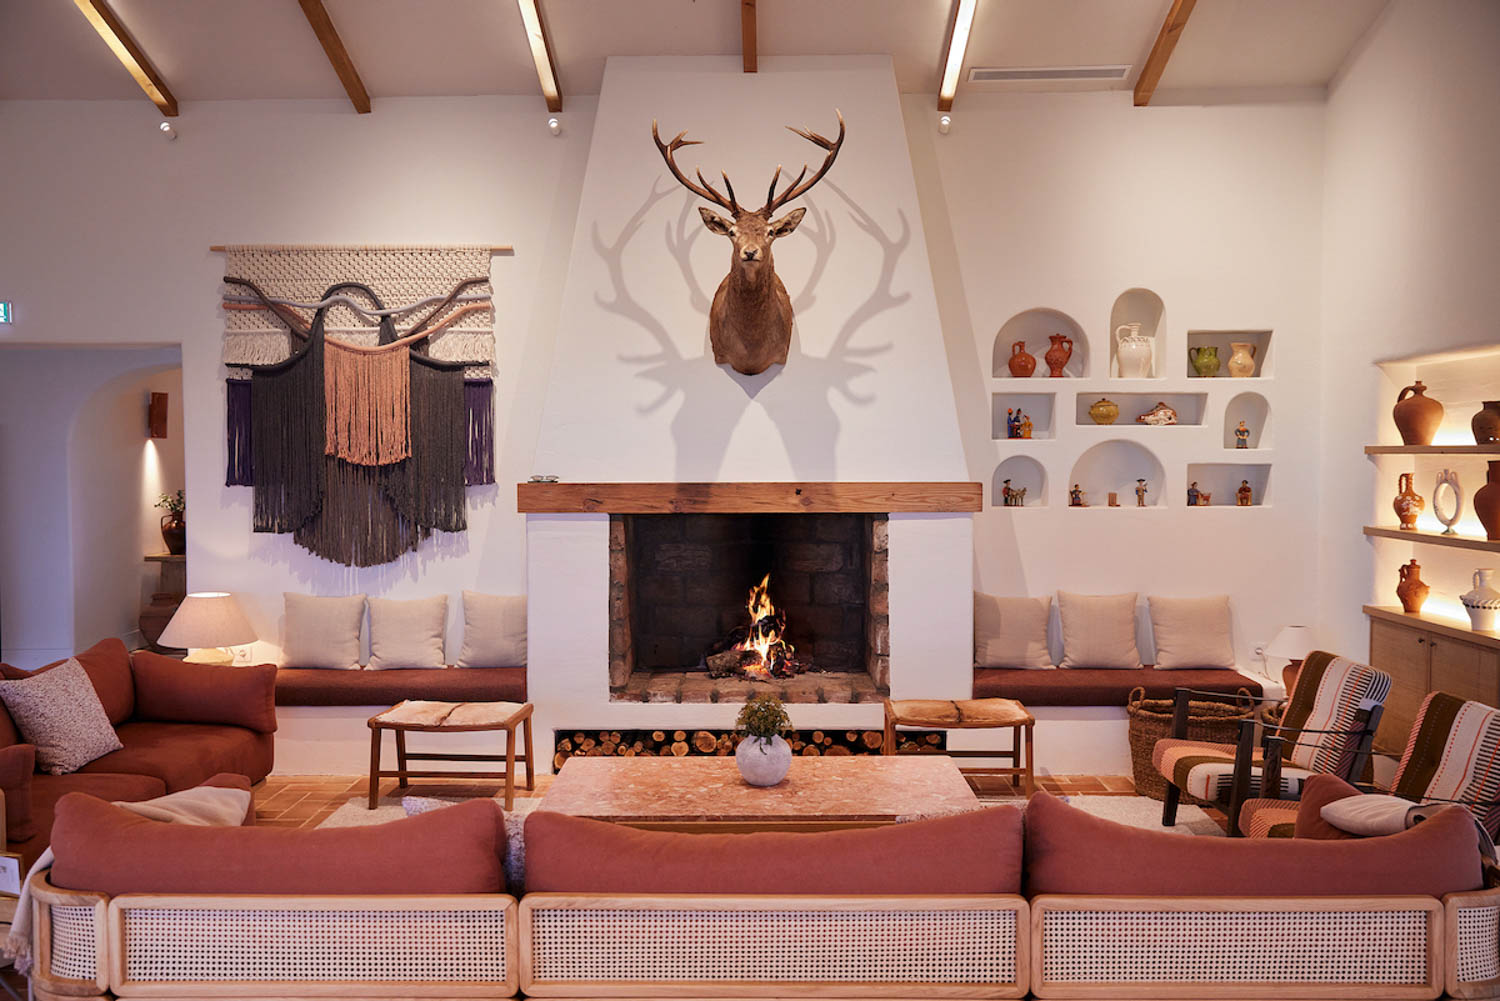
[[1011, 632], [59, 712], [408, 633], [1098, 630], [322, 632], [1191, 633], [1369, 816], [494, 630]]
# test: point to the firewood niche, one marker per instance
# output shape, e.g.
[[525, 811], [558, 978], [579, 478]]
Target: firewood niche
[[721, 743]]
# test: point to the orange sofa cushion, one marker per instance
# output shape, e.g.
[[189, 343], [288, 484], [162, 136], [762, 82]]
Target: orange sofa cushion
[[1069, 851], [976, 852], [1317, 792], [101, 847], [182, 755], [47, 790], [170, 691], [17, 765], [107, 663]]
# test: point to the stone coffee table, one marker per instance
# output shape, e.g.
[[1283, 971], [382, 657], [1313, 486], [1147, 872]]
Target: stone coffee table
[[703, 794]]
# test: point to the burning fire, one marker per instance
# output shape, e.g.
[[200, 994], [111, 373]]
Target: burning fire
[[767, 623]]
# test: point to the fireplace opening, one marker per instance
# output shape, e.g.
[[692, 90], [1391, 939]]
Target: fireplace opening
[[718, 607]]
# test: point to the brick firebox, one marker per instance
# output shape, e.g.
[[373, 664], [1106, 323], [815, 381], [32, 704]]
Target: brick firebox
[[679, 582]]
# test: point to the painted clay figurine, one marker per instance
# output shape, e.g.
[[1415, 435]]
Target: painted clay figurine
[[1025, 426], [1243, 496], [1012, 422], [1159, 415], [1242, 436], [1193, 494], [1075, 497], [1005, 493], [1140, 492]]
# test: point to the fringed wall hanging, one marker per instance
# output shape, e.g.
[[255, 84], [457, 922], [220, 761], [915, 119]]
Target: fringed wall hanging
[[359, 397]]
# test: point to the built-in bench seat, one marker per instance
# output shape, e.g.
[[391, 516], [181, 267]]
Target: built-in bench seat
[[302, 686], [1085, 687]]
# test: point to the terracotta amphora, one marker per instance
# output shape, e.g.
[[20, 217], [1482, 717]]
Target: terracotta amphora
[[1021, 363], [1408, 503], [1058, 354], [1486, 423], [1410, 589], [1417, 416], [1487, 504]]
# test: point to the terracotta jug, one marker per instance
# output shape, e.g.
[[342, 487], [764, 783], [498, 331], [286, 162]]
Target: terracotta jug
[[1205, 361], [1058, 354], [1487, 504], [1241, 359], [1408, 503], [1411, 590], [1486, 423], [1418, 416], [1021, 363]]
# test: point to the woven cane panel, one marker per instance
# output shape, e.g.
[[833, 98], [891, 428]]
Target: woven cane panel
[[1478, 943], [75, 953], [165, 945], [969, 947], [1357, 947]]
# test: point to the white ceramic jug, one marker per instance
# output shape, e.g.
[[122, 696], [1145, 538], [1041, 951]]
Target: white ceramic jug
[[1483, 602], [1132, 351]]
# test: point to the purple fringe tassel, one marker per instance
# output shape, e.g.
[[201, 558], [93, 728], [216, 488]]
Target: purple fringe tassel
[[479, 400], [241, 471]]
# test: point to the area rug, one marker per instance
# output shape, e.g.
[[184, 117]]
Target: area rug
[[1138, 811]]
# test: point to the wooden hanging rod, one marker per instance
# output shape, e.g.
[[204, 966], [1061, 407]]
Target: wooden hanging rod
[[220, 248]]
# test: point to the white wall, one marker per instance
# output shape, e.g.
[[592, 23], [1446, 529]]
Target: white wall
[[1411, 240]]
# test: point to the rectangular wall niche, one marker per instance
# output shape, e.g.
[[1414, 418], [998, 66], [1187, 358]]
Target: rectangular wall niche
[[680, 607]]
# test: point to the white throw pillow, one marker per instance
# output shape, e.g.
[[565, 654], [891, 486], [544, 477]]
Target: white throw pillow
[[1011, 632], [494, 630], [408, 633], [1098, 630], [322, 632], [1191, 633], [59, 712], [1368, 816]]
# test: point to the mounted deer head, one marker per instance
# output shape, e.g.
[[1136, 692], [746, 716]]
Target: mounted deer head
[[750, 322]]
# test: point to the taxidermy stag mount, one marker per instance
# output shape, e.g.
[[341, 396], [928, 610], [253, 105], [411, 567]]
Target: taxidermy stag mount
[[750, 323]]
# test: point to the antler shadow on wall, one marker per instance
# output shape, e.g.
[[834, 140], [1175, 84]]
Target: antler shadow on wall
[[799, 398]]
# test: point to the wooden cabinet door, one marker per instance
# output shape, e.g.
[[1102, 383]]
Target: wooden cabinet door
[[1465, 669], [1403, 653]]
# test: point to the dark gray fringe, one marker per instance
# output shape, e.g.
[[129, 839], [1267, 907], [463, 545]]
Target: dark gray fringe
[[287, 438], [358, 526], [240, 470], [479, 400], [429, 490]]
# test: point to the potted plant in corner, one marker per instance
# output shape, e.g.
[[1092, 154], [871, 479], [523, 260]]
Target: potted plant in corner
[[174, 522], [763, 756]]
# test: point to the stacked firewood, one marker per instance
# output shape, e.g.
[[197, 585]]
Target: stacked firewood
[[721, 743]]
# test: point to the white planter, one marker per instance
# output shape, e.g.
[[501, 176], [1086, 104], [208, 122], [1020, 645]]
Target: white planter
[[763, 762], [1483, 602]]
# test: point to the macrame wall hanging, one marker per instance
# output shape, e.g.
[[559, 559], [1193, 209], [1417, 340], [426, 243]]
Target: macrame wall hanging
[[360, 400]]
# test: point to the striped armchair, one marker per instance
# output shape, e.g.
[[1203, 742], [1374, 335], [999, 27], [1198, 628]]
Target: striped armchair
[[1327, 728]]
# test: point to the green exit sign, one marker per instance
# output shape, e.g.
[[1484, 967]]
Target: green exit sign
[[5, 311]]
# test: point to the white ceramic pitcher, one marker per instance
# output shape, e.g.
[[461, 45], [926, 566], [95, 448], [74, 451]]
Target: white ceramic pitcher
[[1483, 602], [1132, 351]]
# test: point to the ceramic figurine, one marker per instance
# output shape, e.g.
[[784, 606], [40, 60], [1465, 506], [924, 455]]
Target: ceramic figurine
[[1140, 493], [1450, 479], [1486, 423], [1487, 504], [1418, 416], [1411, 590], [1075, 497], [1058, 354], [1483, 602], [1025, 426], [1205, 499], [1114, 499], [1194, 494], [1005, 493], [1244, 495], [1105, 411], [1241, 359], [1159, 415], [1021, 363], [1012, 422], [1408, 503], [1132, 351], [1242, 436], [1205, 361]]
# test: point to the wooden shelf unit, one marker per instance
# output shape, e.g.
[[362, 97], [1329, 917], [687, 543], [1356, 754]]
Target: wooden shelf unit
[[1451, 628], [1424, 653], [1433, 538], [1493, 449]]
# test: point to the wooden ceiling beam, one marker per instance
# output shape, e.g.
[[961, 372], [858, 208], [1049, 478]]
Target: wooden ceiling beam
[[1166, 41], [333, 46], [748, 34], [541, 52], [129, 53]]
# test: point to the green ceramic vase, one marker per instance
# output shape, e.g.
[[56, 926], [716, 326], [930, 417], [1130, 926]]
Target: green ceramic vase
[[1205, 361]]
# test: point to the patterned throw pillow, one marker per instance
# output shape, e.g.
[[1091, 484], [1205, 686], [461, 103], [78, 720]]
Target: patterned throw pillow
[[60, 713]]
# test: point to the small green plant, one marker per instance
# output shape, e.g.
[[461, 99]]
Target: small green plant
[[763, 716], [173, 503]]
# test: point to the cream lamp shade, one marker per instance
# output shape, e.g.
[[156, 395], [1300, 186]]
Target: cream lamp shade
[[208, 620], [1292, 643]]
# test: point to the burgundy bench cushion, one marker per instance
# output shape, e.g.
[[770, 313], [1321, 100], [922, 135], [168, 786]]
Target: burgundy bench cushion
[[168, 690], [182, 755], [303, 686], [1069, 851], [100, 847], [107, 663], [976, 852], [1087, 687]]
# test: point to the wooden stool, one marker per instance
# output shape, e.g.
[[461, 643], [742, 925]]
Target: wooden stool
[[970, 714], [452, 717]]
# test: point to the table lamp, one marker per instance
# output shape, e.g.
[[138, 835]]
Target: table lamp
[[1293, 643], [208, 622]]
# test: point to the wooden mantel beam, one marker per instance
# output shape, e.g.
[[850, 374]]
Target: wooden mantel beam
[[1166, 41], [541, 52], [333, 45], [129, 53], [748, 34]]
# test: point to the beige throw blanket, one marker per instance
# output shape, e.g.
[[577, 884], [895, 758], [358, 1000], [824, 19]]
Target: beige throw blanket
[[202, 806]]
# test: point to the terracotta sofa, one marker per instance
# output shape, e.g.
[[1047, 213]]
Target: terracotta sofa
[[179, 724]]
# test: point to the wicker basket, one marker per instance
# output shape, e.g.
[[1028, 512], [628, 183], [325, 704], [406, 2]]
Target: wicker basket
[[1151, 720]]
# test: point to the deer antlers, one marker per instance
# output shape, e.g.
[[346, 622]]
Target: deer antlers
[[704, 189]]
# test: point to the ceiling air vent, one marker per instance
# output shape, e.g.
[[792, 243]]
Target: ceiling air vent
[[1021, 74]]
